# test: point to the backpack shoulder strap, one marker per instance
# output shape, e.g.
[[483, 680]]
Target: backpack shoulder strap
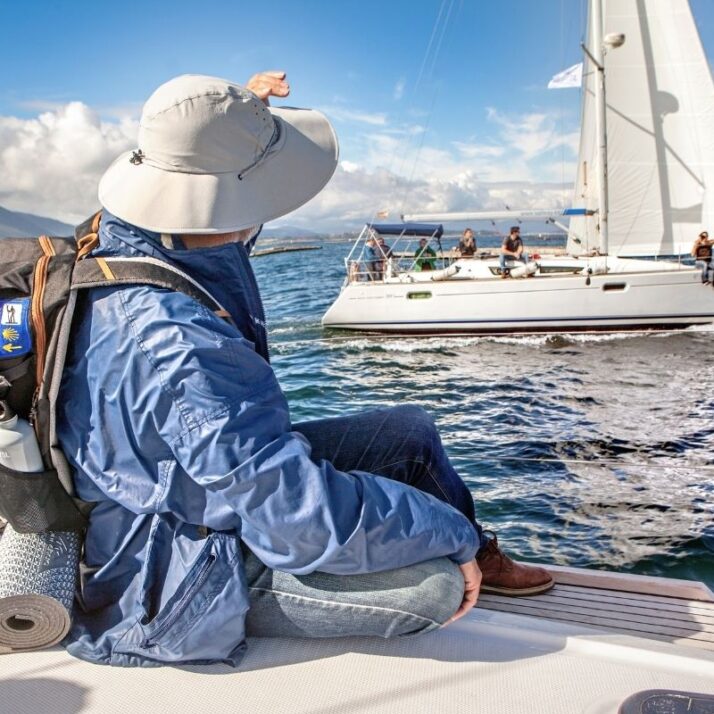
[[104, 272]]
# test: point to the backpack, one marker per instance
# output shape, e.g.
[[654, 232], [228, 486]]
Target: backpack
[[39, 283]]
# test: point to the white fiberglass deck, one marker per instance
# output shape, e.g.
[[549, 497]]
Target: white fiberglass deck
[[493, 661]]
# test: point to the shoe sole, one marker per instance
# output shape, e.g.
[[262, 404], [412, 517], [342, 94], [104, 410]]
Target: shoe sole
[[521, 592]]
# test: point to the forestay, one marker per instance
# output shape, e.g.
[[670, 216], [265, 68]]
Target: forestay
[[660, 133]]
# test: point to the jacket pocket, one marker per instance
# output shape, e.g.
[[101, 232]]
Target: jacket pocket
[[203, 620], [180, 603]]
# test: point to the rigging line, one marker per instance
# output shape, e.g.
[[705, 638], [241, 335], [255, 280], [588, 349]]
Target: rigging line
[[440, 30], [421, 139], [570, 26], [430, 58], [401, 152], [607, 462], [428, 47], [440, 41], [430, 113]]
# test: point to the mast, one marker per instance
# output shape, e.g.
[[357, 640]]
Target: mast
[[598, 57]]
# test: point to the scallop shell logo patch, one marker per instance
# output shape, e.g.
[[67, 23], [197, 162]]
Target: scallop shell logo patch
[[15, 335]]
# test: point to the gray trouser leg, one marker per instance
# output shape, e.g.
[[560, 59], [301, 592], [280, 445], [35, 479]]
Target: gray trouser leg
[[392, 603]]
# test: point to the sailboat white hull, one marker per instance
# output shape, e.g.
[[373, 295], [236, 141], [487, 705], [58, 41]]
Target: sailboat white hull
[[546, 303]]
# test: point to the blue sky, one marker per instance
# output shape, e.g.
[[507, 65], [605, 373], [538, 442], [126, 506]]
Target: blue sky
[[447, 91]]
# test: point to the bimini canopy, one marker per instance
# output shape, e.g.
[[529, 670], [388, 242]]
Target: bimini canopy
[[409, 229]]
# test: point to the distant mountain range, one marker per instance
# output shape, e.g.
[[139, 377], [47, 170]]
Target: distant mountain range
[[18, 225], [289, 232], [14, 223]]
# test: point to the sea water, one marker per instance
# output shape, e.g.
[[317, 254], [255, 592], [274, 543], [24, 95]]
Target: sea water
[[587, 450]]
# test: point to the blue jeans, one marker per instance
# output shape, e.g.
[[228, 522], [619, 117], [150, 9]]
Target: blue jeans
[[401, 443], [503, 258], [707, 268]]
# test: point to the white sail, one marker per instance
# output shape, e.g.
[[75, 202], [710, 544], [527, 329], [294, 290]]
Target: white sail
[[660, 133]]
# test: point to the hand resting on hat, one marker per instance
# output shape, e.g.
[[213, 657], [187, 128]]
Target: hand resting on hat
[[268, 84]]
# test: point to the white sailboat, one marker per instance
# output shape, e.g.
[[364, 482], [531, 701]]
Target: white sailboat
[[644, 189]]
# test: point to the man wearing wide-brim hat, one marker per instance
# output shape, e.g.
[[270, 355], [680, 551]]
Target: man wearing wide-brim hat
[[215, 516]]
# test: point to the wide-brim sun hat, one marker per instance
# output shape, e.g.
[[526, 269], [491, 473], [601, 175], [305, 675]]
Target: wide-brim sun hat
[[213, 158]]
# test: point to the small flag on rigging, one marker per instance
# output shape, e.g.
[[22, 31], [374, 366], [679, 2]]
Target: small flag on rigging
[[571, 77]]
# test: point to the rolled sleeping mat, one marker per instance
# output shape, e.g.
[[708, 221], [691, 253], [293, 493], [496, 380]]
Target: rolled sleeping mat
[[38, 579]]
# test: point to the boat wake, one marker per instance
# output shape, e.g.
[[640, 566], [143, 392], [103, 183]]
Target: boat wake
[[383, 343]]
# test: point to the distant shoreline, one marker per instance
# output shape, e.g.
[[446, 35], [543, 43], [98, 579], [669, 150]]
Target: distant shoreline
[[283, 249]]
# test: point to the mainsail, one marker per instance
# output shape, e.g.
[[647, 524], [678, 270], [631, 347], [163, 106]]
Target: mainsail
[[660, 133]]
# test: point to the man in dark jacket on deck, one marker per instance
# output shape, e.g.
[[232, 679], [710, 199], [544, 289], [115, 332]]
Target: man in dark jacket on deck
[[511, 249], [215, 516]]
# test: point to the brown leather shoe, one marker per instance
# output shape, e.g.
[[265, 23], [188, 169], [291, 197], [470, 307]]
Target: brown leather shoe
[[503, 576]]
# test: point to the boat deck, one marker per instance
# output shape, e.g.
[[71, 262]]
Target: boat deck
[[625, 604], [591, 642]]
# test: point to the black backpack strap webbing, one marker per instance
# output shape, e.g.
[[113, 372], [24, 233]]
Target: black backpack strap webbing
[[104, 272]]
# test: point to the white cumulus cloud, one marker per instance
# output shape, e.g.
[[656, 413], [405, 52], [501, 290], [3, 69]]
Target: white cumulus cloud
[[532, 134], [51, 164], [354, 197]]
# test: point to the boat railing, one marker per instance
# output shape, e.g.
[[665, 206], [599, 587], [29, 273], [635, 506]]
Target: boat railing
[[361, 270], [377, 263]]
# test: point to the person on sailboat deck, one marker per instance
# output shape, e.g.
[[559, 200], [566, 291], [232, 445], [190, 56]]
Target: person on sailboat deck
[[425, 256], [215, 516], [702, 251], [467, 245], [511, 248], [371, 256], [384, 252]]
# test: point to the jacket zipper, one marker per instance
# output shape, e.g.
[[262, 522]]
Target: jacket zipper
[[182, 603]]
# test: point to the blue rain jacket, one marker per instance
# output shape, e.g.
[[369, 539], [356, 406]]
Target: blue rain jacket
[[176, 427]]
